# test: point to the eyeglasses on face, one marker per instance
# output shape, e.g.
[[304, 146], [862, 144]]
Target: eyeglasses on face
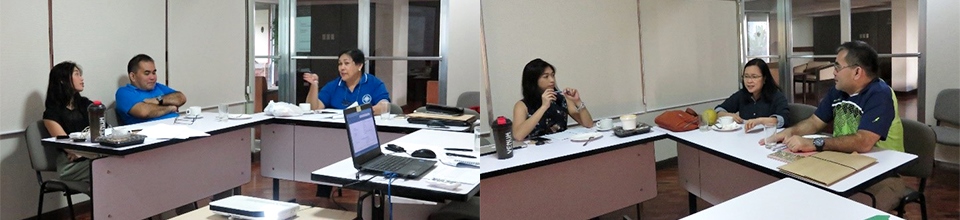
[[747, 76], [837, 67]]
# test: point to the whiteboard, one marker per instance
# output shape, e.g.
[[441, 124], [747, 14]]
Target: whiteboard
[[692, 56], [594, 46], [208, 51], [24, 63]]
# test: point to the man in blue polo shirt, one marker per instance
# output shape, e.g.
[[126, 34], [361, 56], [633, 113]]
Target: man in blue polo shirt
[[863, 110], [353, 87], [143, 99]]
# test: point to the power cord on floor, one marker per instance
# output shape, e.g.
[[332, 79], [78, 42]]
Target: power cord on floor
[[338, 204]]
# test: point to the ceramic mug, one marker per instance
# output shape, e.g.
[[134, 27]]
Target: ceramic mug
[[604, 124], [193, 111], [628, 121]]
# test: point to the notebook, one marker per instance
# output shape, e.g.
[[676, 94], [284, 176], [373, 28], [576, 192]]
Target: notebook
[[827, 167], [365, 147], [784, 155]]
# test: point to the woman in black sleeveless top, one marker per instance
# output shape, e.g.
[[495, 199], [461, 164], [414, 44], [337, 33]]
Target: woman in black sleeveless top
[[541, 111], [65, 113]]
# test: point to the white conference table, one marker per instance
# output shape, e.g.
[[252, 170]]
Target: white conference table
[[427, 199], [789, 199], [293, 147], [717, 166], [139, 181], [553, 180]]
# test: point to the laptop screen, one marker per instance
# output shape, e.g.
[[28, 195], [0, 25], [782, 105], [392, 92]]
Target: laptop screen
[[363, 131]]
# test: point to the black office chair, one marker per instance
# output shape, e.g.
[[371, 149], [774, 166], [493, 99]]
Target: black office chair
[[918, 139], [44, 159]]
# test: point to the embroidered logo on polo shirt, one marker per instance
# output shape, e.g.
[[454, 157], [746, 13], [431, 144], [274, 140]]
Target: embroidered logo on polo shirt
[[367, 99]]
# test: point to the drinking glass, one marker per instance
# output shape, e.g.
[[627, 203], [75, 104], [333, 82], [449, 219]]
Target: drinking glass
[[222, 112]]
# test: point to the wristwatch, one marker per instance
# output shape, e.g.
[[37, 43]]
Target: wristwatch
[[818, 143], [581, 106], [160, 100]]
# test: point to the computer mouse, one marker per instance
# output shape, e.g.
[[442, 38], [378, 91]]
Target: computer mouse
[[424, 153]]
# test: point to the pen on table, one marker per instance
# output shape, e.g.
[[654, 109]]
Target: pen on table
[[460, 155], [458, 149]]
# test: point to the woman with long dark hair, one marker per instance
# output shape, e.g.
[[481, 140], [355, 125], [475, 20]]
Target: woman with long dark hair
[[65, 113], [760, 101], [541, 111]]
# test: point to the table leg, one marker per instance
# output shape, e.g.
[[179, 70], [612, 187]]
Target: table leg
[[692, 202], [276, 189]]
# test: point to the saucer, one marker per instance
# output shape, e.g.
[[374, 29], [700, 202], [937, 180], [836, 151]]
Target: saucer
[[601, 129], [734, 128], [193, 116]]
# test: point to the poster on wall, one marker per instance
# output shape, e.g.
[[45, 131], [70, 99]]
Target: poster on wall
[[302, 35]]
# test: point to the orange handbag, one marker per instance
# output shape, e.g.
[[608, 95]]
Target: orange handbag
[[677, 120]]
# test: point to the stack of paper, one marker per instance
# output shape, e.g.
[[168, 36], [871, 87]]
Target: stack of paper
[[165, 131]]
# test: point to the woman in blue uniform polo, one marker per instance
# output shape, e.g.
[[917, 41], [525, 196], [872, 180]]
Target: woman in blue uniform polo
[[352, 87]]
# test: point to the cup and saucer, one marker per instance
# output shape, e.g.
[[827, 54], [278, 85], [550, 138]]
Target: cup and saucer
[[193, 113], [605, 124], [726, 123]]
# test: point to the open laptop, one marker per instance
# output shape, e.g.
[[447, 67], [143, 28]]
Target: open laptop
[[365, 147]]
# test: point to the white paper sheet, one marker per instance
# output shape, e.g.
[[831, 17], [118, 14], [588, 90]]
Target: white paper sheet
[[165, 131]]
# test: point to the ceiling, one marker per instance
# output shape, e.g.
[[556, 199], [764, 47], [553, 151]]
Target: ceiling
[[816, 8]]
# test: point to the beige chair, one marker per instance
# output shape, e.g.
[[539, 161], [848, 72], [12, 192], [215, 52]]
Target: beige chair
[[798, 112], [395, 109], [111, 116], [468, 99], [44, 159], [918, 139]]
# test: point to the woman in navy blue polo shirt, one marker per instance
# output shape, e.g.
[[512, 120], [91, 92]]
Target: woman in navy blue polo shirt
[[759, 101], [352, 87]]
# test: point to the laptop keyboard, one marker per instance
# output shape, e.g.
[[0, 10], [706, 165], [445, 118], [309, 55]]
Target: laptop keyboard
[[391, 163]]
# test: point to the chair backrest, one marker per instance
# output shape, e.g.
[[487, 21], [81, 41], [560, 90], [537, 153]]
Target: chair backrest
[[799, 112], [468, 99], [433, 92], [395, 109], [947, 107], [111, 116], [42, 158], [918, 139], [799, 69]]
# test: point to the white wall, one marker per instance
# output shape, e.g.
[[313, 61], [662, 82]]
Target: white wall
[[943, 50], [802, 37], [904, 38], [102, 36], [463, 54]]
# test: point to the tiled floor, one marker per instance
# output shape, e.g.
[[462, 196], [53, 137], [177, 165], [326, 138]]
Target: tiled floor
[[671, 201]]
